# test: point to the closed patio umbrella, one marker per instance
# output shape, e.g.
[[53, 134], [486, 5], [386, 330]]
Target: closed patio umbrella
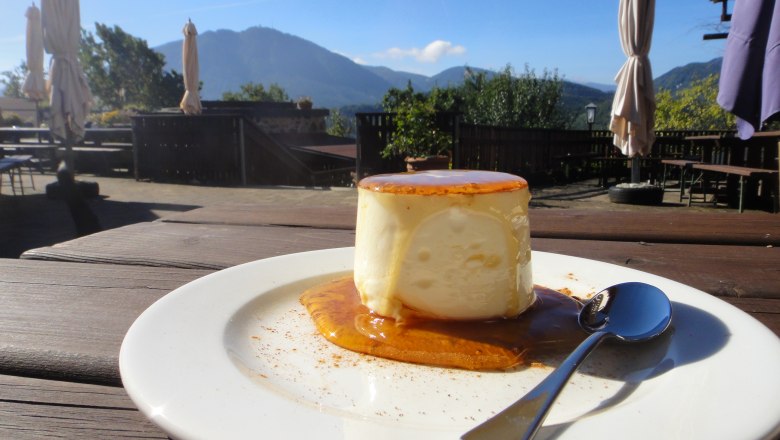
[[633, 108], [190, 103], [68, 89], [34, 84], [70, 102], [750, 75]]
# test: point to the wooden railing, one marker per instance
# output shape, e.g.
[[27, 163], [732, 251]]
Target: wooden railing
[[225, 148], [374, 131], [537, 154]]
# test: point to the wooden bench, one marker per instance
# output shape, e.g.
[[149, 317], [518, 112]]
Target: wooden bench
[[684, 166], [580, 159], [12, 165], [744, 173], [42, 153]]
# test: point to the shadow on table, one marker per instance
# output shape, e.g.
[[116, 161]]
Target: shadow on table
[[33, 221], [694, 336]]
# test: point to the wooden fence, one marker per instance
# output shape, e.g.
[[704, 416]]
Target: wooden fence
[[187, 149], [374, 131], [541, 155], [226, 148]]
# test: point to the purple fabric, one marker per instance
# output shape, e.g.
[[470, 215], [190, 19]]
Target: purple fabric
[[750, 75]]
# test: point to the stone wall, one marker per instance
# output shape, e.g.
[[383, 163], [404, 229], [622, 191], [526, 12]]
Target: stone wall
[[274, 117], [292, 121]]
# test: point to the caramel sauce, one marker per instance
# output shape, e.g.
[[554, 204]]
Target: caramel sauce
[[548, 327], [442, 182]]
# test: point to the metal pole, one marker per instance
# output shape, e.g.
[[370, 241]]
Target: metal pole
[[635, 167], [242, 150]]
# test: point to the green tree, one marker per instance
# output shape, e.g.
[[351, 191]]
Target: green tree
[[509, 100], [338, 124], [693, 108], [416, 132], [257, 92], [13, 80], [122, 70]]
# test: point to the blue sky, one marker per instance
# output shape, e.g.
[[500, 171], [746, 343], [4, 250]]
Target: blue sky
[[578, 38]]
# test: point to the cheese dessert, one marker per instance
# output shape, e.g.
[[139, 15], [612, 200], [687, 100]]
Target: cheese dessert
[[444, 244]]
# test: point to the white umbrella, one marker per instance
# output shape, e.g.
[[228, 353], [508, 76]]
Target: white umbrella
[[633, 108], [34, 84], [190, 103], [69, 93]]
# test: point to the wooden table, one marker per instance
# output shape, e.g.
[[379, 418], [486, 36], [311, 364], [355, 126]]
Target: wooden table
[[64, 309], [738, 160]]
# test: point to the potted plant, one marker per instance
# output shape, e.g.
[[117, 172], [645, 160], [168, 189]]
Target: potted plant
[[417, 138], [304, 103]]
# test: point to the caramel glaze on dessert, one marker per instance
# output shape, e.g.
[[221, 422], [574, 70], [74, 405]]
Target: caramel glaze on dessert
[[549, 326], [427, 184]]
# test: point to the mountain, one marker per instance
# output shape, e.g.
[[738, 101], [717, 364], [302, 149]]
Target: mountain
[[229, 59], [681, 77], [577, 96], [401, 79], [610, 88], [263, 55]]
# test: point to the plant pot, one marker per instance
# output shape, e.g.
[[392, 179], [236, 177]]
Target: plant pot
[[636, 194], [427, 163]]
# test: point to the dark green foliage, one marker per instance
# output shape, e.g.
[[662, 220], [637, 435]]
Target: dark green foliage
[[509, 100], [257, 92], [13, 80], [123, 71], [339, 125]]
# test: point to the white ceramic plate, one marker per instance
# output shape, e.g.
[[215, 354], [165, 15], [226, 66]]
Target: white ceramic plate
[[235, 355]]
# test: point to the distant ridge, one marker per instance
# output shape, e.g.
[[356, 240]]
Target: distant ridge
[[263, 55], [229, 59], [609, 88], [681, 77]]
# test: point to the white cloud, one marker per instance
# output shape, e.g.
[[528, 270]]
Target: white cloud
[[359, 60], [429, 54]]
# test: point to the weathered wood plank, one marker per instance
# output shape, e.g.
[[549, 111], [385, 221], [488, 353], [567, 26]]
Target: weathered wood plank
[[186, 245], [35, 408], [736, 271], [67, 320], [753, 228], [316, 216], [740, 271]]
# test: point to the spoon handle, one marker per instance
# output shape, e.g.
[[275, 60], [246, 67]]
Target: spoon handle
[[527, 414]]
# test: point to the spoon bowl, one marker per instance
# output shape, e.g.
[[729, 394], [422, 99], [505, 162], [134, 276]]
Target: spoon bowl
[[628, 312], [631, 312]]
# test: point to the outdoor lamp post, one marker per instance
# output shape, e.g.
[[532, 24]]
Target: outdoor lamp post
[[590, 112]]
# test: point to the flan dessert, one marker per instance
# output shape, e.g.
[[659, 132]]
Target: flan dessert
[[444, 244], [442, 276]]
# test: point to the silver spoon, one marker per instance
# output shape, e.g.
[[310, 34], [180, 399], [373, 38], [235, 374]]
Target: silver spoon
[[630, 312]]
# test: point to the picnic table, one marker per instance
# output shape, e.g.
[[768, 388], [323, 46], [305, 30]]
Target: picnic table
[[737, 162], [64, 309]]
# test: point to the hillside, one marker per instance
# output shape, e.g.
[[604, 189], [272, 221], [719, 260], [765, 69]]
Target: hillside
[[262, 55], [229, 59], [681, 77]]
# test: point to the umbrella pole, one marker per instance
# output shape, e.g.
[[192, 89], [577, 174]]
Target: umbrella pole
[[68, 141], [635, 166]]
